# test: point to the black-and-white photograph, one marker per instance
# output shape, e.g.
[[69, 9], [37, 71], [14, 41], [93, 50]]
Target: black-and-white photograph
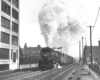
[[50, 40]]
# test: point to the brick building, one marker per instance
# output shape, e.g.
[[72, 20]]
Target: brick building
[[30, 54], [95, 54], [33, 51]]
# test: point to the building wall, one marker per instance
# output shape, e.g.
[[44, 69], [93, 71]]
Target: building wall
[[34, 51], [95, 54], [9, 33]]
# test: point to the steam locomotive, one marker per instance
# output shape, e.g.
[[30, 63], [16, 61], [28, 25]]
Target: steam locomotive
[[51, 58]]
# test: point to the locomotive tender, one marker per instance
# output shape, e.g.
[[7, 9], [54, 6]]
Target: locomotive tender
[[51, 58]]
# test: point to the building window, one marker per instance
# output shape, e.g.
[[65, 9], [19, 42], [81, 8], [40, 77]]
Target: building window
[[15, 3], [4, 53], [17, 54], [15, 40], [14, 27], [9, 0], [14, 57], [5, 38], [32, 51], [15, 14], [5, 8], [5, 23]]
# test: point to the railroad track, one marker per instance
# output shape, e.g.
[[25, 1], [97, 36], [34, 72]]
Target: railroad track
[[20, 75], [37, 75], [54, 74], [48, 75], [15, 75]]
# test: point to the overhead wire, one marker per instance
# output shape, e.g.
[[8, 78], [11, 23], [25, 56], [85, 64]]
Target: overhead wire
[[94, 23], [96, 19]]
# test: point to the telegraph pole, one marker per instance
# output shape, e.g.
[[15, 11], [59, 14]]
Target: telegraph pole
[[79, 51], [91, 34], [82, 44], [91, 43], [82, 48]]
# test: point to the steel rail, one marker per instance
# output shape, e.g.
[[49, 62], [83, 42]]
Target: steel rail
[[12, 77], [61, 73], [51, 73]]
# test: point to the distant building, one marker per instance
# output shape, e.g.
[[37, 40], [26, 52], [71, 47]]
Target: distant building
[[30, 55], [95, 54], [33, 51], [9, 34]]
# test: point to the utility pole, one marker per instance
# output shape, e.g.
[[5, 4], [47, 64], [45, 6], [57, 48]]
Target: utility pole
[[82, 48], [84, 56], [91, 43], [79, 51], [91, 34]]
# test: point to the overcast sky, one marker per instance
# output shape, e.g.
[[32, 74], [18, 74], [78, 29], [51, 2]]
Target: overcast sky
[[29, 25]]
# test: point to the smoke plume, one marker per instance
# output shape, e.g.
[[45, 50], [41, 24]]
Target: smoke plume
[[61, 23]]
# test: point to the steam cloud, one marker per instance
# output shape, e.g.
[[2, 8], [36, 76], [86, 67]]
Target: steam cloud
[[61, 23]]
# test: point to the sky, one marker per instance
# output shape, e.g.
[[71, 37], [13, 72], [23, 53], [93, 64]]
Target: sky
[[30, 32]]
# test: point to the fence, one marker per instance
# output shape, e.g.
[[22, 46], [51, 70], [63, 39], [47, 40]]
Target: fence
[[95, 68], [28, 59]]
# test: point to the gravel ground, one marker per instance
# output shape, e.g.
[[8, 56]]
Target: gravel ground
[[93, 75], [87, 78], [82, 73]]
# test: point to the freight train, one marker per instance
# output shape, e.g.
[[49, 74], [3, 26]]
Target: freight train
[[49, 58]]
